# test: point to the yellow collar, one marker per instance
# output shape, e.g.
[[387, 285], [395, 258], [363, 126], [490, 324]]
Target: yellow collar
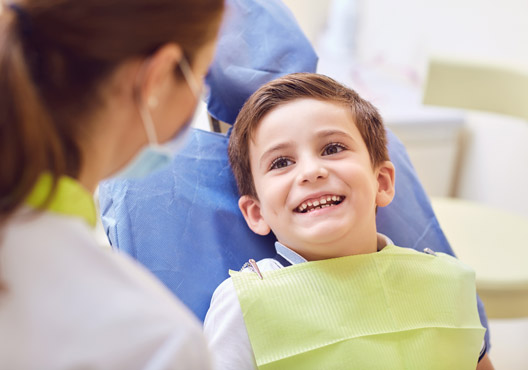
[[70, 198]]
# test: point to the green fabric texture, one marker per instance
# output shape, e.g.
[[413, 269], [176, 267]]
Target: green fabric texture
[[70, 198], [395, 309]]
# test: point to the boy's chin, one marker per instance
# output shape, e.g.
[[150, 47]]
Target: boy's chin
[[327, 231], [320, 240]]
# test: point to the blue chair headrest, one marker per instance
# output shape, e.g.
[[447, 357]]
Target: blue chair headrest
[[259, 41]]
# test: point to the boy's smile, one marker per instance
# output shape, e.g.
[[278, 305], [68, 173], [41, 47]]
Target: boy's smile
[[313, 204], [317, 189]]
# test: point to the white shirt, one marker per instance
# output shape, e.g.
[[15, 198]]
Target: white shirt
[[224, 323], [68, 304]]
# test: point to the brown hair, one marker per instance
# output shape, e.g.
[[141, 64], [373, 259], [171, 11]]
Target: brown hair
[[297, 86], [55, 55]]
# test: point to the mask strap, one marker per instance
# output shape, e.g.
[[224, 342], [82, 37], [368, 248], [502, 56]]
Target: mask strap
[[148, 123], [144, 113], [189, 77]]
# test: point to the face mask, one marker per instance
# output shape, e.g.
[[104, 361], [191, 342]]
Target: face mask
[[154, 156]]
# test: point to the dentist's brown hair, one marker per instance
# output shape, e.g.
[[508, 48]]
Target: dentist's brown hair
[[298, 86]]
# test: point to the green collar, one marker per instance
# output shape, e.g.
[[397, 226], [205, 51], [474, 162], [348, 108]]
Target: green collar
[[70, 198]]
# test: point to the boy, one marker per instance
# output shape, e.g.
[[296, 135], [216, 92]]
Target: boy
[[311, 163]]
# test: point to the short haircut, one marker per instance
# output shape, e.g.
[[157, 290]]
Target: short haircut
[[287, 89]]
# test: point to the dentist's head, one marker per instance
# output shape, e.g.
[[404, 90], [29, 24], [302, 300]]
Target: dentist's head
[[90, 88]]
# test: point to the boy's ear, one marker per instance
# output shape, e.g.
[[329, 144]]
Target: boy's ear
[[250, 208], [386, 191]]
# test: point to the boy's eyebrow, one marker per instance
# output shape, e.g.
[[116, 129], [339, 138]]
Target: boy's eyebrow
[[325, 133], [343, 134]]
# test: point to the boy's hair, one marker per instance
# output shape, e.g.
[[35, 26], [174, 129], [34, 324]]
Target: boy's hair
[[298, 86]]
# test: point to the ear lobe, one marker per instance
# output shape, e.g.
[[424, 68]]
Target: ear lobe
[[250, 208], [386, 190]]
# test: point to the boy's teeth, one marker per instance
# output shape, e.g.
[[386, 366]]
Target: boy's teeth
[[326, 201]]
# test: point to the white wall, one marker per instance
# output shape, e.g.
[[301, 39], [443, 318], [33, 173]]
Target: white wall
[[311, 15], [406, 31]]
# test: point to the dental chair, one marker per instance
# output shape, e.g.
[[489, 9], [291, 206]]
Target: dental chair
[[183, 223]]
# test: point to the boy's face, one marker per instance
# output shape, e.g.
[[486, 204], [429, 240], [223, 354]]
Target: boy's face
[[316, 186]]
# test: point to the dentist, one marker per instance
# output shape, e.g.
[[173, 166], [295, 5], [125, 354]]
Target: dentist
[[91, 89]]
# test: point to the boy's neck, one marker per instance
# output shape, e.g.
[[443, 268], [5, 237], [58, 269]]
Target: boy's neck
[[375, 244]]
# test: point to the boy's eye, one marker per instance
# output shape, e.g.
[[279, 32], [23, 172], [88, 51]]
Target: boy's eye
[[280, 163], [333, 148]]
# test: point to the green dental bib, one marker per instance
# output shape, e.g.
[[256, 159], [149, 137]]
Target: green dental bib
[[395, 309]]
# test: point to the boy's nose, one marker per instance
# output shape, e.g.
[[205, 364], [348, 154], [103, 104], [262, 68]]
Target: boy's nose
[[311, 171]]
